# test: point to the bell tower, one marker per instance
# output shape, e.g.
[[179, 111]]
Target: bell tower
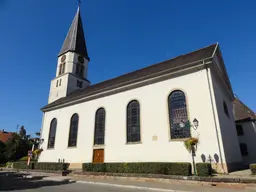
[[73, 59]]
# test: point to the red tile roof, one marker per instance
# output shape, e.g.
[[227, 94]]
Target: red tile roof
[[4, 136]]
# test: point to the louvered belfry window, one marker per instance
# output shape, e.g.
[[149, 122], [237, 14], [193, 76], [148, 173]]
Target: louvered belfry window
[[52, 134], [133, 122], [72, 140], [177, 115], [99, 130]]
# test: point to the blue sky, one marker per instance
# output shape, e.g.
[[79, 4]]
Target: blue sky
[[121, 36]]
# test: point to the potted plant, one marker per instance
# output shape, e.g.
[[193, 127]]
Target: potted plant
[[191, 146], [37, 152]]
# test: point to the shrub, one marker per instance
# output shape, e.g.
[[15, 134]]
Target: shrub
[[89, 167], [204, 169], [148, 168], [9, 165], [23, 165], [51, 166], [253, 169], [25, 158], [41, 166]]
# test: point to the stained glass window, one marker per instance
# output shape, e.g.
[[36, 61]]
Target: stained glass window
[[73, 131], [133, 122], [52, 133], [177, 114], [99, 132]]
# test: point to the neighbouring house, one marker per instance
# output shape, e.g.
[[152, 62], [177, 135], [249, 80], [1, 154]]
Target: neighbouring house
[[246, 130], [139, 116], [4, 136]]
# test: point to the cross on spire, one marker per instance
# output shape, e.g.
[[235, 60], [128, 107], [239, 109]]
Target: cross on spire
[[79, 2]]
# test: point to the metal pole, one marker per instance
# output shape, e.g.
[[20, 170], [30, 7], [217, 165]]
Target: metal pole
[[193, 159]]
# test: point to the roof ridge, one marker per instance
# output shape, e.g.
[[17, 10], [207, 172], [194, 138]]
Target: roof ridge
[[187, 53]]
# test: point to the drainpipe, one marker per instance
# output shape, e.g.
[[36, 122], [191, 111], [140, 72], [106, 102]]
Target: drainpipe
[[214, 117]]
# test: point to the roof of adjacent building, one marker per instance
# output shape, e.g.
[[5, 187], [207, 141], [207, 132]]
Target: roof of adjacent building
[[242, 112], [75, 41], [4, 136], [172, 65]]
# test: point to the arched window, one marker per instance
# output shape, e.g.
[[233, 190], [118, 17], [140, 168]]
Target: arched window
[[73, 131], [133, 122], [52, 134], [60, 69], [178, 115], [63, 68], [225, 108], [99, 130]]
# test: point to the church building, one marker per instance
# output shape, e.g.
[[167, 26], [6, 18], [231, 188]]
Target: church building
[[141, 116]]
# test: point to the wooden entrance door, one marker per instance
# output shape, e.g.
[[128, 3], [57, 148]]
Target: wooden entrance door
[[98, 156]]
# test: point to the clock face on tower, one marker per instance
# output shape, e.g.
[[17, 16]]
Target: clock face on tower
[[80, 59], [63, 58]]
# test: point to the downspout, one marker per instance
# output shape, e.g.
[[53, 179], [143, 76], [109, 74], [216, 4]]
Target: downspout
[[214, 117]]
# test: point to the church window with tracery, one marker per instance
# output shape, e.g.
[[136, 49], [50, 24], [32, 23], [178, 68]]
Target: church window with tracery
[[133, 122], [177, 115], [72, 140]]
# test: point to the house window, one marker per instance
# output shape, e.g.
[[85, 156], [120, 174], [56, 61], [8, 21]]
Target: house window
[[79, 83], [57, 83], [225, 108], [99, 129], [243, 148], [177, 114], [52, 134], [72, 140], [239, 130], [133, 122], [60, 82]]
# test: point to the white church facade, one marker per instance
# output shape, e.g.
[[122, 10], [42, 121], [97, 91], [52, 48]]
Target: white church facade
[[136, 117]]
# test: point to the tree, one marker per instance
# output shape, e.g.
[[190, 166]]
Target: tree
[[2, 152], [16, 147], [22, 132]]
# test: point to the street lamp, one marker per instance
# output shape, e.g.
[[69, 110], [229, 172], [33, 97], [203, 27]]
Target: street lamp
[[195, 124], [35, 141], [193, 149]]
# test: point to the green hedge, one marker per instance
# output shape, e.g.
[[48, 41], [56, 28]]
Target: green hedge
[[23, 165], [204, 169], [41, 166], [25, 158], [253, 169], [51, 166], [148, 168]]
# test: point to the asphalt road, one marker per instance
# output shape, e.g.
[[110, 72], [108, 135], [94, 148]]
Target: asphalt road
[[17, 183]]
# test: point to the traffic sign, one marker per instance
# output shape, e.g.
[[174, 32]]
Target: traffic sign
[[30, 153]]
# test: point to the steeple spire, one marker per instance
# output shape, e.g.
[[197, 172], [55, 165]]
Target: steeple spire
[[75, 41]]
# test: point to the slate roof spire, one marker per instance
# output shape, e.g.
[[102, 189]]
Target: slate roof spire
[[75, 41]]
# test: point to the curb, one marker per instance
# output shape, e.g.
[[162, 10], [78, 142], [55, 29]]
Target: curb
[[227, 180], [129, 186]]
